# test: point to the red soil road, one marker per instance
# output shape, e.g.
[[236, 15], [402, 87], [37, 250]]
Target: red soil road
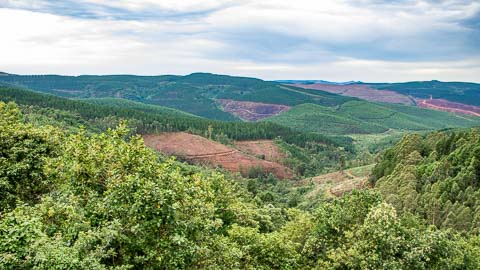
[[199, 150], [251, 111], [267, 148], [360, 91], [448, 106]]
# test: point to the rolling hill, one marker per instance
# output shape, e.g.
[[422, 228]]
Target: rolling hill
[[195, 93], [198, 97], [361, 117], [99, 114]]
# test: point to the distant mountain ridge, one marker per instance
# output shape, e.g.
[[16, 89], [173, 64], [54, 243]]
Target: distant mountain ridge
[[316, 81]]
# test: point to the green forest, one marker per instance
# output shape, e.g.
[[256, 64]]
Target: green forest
[[80, 200]]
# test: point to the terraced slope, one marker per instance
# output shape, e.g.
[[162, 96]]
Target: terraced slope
[[199, 150]]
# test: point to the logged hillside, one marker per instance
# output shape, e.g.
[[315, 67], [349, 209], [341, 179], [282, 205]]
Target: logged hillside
[[105, 201], [361, 91], [462, 92], [455, 97], [436, 177], [201, 151], [361, 117]]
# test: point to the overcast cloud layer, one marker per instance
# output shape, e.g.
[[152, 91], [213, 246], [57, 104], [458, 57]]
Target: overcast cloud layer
[[368, 40]]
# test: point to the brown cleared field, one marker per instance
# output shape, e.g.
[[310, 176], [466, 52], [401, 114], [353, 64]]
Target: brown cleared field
[[360, 91], [264, 148], [251, 111], [448, 106], [198, 150]]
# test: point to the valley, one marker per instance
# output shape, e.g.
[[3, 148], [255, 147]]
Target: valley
[[240, 135]]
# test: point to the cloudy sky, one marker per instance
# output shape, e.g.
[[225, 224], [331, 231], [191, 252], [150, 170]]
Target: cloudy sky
[[337, 40]]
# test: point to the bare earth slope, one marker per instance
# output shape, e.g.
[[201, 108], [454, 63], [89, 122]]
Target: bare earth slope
[[251, 111], [366, 92], [199, 150], [264, 148], [361, 91], [448, 106]]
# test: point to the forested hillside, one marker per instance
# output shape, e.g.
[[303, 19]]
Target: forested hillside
[[193, 93], [101, 114], [104, 201], [435, 177]]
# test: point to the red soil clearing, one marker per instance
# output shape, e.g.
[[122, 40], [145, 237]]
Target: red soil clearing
[[251, 111], [360, 91], [199, 150], [448, 106], [264, 148]]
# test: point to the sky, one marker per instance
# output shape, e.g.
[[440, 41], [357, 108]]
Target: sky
[[335, 40]]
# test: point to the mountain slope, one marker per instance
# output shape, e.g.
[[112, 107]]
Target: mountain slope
[[458, 97], [435, 177], [361, 117]]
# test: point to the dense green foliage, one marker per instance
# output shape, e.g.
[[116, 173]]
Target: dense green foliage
[[468, 93], [313, 159], [362, 117], [23, 150], [105, 113], [435, 177], [111, 203]]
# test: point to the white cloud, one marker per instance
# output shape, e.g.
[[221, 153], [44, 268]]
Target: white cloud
[[171, 5], [272, 39]]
